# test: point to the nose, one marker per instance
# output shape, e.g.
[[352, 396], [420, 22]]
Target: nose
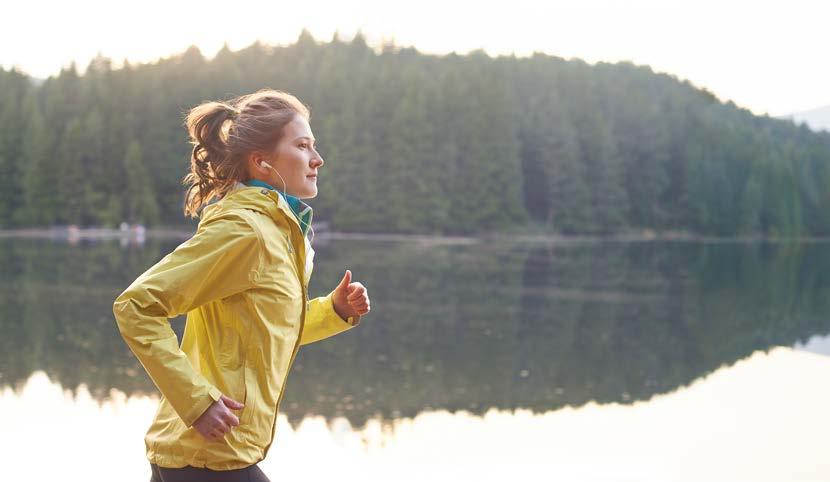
[[318, 161]]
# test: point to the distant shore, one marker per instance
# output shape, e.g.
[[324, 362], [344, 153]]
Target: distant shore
[[178, 233]]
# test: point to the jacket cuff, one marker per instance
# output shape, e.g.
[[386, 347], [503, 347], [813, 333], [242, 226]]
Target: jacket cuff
[[353, 320], [202, 405]]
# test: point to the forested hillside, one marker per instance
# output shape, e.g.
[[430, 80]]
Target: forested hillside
[[419, 143]]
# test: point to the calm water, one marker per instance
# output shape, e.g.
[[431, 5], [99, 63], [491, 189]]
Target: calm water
[[599, 361]]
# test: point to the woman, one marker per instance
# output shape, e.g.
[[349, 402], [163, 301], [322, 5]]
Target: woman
[[243, 280]]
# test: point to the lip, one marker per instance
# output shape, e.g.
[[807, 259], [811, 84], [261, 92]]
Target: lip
[[312, 175]]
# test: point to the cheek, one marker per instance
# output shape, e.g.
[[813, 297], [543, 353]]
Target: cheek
[[299, 165]]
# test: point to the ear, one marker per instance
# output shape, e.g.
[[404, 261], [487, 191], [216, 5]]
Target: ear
[[253, 165]]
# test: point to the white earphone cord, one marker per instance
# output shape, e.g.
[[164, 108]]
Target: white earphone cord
[[286, 192]]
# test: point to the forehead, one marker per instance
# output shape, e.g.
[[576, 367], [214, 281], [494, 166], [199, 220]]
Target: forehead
[[298, 127]]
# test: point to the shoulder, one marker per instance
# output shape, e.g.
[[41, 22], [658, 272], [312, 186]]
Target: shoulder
[[231, 225]]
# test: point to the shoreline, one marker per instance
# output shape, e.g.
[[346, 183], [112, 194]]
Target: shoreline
[[64, 233]]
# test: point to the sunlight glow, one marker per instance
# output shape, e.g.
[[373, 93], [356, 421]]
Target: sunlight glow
[[765, 55], [718, 428]]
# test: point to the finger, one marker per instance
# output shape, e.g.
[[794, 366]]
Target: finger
[[221, 426], [231, 403], [344, 282], [356, 300], [360, 292], [231, 420]]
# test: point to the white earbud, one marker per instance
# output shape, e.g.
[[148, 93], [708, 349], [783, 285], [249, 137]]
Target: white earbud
[[278, 174]]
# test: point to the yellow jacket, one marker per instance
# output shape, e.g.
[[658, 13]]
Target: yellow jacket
[[243, 280]]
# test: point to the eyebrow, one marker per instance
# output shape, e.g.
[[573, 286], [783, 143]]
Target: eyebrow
[[306, 137]]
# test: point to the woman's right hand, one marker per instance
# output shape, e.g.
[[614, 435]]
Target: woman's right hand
[[218, 419]]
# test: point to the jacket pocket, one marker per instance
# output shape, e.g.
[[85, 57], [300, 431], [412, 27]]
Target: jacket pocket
[[251, 395], [257, 417]]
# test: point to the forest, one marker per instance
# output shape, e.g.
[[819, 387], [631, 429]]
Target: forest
[[416, 143]]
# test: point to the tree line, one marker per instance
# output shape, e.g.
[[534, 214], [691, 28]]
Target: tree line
[[415, 143]]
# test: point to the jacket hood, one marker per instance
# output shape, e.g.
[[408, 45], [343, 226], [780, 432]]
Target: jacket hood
[[255, 198]]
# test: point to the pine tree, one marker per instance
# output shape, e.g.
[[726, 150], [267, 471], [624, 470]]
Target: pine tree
[[39, 176], [72, 174], [570, 199], [609, 201], [11, 189], [139, 196]]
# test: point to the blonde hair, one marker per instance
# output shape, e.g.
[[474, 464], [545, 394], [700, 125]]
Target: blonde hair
[[224, 133]]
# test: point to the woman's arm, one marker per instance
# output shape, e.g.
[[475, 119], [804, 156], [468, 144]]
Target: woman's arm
[[223, 258]]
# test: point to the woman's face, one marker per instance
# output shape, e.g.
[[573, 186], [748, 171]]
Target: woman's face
[[295, 159]]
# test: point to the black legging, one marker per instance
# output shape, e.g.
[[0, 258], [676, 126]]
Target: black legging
[[252, 473]]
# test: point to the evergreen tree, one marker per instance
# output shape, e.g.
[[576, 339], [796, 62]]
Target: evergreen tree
[[11, 188], [139, 196], [40, 182], [609, 201], [72, 175]]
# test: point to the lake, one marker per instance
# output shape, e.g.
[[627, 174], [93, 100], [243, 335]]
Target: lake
[[595, 361]]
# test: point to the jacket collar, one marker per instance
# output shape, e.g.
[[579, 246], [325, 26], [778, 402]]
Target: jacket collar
[[301, 210], [259, 196]]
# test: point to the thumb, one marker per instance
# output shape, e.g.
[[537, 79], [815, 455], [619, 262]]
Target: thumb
[[231, 403], [347, 278]]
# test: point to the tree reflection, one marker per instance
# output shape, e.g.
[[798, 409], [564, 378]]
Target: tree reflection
[[456, 327]]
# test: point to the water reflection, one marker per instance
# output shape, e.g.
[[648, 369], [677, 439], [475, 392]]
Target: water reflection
[[752, 421], [816, 344], [454, 327]]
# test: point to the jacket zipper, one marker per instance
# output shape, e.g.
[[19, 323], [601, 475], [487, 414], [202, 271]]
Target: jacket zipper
[[301, 270]]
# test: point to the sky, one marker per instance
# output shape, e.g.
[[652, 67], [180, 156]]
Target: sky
[[766, 56]]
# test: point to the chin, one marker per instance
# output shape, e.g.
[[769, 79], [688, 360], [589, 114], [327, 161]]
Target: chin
[[308, 195]]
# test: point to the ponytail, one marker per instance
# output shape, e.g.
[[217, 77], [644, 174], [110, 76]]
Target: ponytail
[[212, 170]]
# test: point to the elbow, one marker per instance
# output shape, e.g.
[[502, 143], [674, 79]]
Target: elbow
[[117, 312], [120, 308]]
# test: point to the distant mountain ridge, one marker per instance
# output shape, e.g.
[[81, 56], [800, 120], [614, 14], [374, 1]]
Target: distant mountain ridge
[[816, 119]]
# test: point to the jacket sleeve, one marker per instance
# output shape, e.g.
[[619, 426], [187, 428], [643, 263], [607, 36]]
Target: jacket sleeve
[[223, 258], [322, 321]]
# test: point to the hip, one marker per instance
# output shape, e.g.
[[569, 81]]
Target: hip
[[251, 473]]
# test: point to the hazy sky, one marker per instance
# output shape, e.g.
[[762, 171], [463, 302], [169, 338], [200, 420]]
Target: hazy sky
[[767, 56]]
